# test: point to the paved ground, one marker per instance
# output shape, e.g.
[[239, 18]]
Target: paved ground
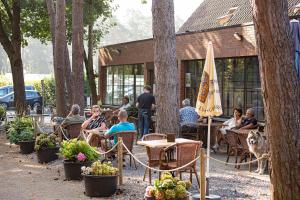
[[21, 177]]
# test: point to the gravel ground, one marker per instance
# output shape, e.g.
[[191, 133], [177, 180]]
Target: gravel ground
[[23, 178]]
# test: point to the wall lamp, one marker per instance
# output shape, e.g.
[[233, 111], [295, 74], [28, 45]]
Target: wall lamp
[[238, 36]]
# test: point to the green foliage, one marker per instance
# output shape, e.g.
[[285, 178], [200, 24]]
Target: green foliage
[[132, 111], [2, 112], [44, 141], [20, 130], [99, 168], [4, 81], [21, 135], [168, 187], [49, 89], [72, 148]]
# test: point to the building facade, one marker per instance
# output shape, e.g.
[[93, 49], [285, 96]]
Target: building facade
[[125, 68]]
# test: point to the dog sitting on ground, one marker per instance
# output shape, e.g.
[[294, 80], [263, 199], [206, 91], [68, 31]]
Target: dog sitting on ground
[[258, 146]]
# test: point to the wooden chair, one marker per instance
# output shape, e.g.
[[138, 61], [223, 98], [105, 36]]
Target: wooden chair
[[185, 153], [244, 149], [233, 147], [128, 138], [152, 153], [135, 122], [73, 130]]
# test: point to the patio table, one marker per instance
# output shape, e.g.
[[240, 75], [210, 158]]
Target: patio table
[[164, 143]]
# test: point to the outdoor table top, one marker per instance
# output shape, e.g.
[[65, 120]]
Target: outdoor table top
[[164, 143], [213, 124], [241, 131]]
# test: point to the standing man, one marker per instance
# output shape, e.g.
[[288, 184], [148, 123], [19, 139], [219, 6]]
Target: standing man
[[145, 102]]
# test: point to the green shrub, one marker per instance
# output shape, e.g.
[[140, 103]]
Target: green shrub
[[2, 112], [77, 150], [99, 168], [44, 141], [49, 90], [19, 136]]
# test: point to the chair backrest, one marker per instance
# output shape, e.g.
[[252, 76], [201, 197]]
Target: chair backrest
[[73, 130], [128, 138], [243, 140], [133, 120], [231, 139], [153, 153], [186, 152]]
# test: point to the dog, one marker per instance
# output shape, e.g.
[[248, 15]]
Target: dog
[[258, 146]]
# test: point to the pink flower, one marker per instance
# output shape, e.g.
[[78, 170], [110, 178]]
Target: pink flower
[[81, 157], [149, 191]]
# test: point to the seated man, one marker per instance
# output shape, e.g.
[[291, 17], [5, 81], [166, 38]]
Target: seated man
[[93, 125], [125, 105], [188, 116], [249, 122], [124, 125], [73, 117]]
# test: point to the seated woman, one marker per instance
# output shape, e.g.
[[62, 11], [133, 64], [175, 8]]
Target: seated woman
[[93, 125], [233, 122], [249, 122]]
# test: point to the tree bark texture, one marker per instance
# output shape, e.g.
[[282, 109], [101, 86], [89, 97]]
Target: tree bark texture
[[166, 70], [77, 51], [89, 60], [16, 60], [280, 89], [67, 69], [60, 41]]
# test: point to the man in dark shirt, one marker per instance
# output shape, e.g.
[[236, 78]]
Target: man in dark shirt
[[145, 102], [249, 122]]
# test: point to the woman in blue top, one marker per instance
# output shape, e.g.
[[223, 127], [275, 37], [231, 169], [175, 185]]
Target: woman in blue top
[[123, 125]]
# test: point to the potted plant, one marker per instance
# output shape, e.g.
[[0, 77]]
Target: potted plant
[[100, 179], [23, 138], [46, 147], [76, 154], [168, 188], [20, 132]]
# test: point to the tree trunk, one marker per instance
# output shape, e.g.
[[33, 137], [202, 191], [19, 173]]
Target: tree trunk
[[280, 89], [88, 60], [60, 41], [166, 70], [67, 69], [16, 60], [77, 51]]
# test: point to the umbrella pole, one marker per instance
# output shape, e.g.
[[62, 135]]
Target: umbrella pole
[[208, 154]]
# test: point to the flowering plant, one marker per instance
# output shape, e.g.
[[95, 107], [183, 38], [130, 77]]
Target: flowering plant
[[99, 168], [77, 150], [168, 188], [45, 140]]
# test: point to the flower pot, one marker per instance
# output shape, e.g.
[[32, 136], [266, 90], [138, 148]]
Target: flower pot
[[100, 186], [26, 147], [73, 169], [47, 155], [153, 198], [171, 137]]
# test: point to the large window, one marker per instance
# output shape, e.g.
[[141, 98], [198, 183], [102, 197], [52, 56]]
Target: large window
[[238, 80], [124, 80]]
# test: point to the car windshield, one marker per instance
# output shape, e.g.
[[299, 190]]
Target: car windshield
[[2, 92]]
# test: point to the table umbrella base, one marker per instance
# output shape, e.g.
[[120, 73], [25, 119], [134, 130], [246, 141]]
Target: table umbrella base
[[210, 196]]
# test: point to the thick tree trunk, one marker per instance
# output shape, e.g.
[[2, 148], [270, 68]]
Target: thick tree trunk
[[67, 69], [16, 60], [88, 60], [281, 93], [77, 51], [166, 70], [60, 41]]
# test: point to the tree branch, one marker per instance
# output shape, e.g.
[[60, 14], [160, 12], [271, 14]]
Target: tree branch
[[4, 40], [6, 6]]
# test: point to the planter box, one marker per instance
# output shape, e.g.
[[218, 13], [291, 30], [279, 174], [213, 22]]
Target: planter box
[[73, 169], [26, 147], [47, 155], [100, 186]]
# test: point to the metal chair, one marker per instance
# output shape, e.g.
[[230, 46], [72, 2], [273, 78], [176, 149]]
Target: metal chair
[[152, 153]]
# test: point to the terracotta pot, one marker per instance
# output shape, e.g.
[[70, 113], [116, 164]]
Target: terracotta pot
[[47, 155], [26, 147], [100, 186], [73, 169]]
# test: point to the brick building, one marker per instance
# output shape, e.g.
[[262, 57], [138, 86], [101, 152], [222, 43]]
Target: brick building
[[124, 68]]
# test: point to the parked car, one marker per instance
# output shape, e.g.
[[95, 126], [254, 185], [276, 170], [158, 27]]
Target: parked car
[[33, 99], [9, 88]]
